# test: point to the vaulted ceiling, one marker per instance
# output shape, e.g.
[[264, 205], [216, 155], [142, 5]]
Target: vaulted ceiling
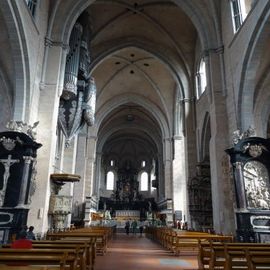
[[145, 50]]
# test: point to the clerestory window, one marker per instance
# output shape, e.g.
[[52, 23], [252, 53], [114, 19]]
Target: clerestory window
[[32, 5], [240, 9], [201, 81]]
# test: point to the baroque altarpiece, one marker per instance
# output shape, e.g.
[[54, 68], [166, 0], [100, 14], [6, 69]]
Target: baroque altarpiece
[[250, 158]]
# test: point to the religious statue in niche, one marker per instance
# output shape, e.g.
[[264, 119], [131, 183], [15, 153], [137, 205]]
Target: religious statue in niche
[[257, 187]]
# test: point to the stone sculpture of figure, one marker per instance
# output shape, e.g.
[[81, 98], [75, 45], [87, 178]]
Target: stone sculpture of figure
[[149, 206], [107, 215]]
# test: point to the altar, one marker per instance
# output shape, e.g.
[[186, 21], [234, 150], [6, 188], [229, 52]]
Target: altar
[[121, 217], [127, 214]]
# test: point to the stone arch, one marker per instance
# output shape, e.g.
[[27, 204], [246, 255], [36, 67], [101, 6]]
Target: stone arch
[[5, 99], [59, 29], [18, 44], [261, 105], [166, 58], [115, 102], [250, 66], [105, 137], [208, 27]]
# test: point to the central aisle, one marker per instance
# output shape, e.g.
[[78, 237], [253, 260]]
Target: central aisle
[[139, 253]]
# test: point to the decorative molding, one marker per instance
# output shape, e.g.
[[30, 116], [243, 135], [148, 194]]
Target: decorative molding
[[9, 144], [253, 218], [237, 135], [11, 216], [254, 150], [20, 126]]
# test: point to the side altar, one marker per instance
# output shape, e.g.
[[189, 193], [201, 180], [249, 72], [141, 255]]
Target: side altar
[[18, 151]]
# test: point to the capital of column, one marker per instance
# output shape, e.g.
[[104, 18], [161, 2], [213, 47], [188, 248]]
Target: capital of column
[[186, 100], [28, 159], [217, 50], [92, 137], [238, 165], [51, 43], [168, 139]]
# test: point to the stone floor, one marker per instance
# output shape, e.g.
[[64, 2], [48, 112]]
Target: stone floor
[[139, 253]]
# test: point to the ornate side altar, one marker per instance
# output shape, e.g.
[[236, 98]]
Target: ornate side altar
[[18, 150], [250, 158]]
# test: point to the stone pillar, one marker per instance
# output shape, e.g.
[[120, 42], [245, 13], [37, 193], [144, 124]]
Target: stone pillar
[[180, 199], [79, 188], [46, 134], [161, 182], [98, 175], [90, 165], [222, 199], [168, 168]]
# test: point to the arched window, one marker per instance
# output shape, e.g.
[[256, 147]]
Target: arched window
[[32, 4], [201, 81], [240, 10], [110, 181], [144, 181], [112, 163], [143, 164]]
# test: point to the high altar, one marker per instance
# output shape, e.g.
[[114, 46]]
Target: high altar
[[126, 202]]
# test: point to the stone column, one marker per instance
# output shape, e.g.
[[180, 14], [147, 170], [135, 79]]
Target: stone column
[[79, 188], [222, 199], [168, 168], [161, 181], [98, 174], [90, 166], [180, 199], [46, 133]]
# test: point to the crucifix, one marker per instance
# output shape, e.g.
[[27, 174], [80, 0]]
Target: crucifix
[[7, 163]]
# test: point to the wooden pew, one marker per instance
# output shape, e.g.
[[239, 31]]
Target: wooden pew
[[258, 260], [58, 261], [191, 242], [82, 249], [217, 255], [90, 245], [99, 237]]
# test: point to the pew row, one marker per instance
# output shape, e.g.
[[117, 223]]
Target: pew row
[[233, 255], [15, 259], [183, 241], [84, 249]]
